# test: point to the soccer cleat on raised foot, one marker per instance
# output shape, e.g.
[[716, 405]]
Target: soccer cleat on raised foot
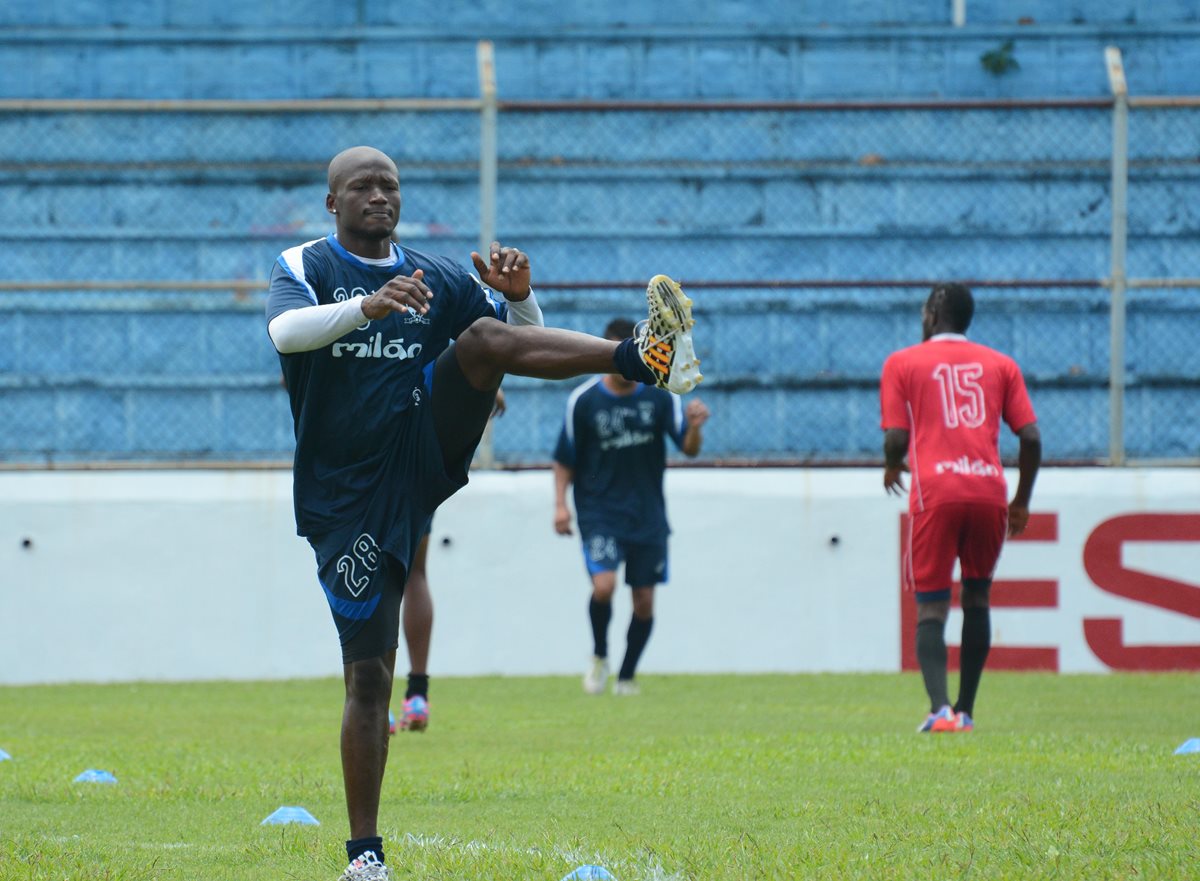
[[596, 677], [958, 723], [366, 868], [626, 688], [943, 716], [416, 714], [664, 339]]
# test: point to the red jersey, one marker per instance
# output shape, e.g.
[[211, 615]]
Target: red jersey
[[950, 395]]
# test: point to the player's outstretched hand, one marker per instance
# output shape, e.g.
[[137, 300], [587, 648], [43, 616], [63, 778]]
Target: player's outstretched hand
[[696, 413], [403, 293], [500, 406], [508, 271], [893, 482], [1018, 519], [562, 520]]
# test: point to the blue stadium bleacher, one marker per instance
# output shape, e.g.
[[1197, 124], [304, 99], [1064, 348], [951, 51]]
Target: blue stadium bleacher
[[596, 196]]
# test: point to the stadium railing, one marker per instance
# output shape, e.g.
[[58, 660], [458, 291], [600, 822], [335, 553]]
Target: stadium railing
[[810, 231]]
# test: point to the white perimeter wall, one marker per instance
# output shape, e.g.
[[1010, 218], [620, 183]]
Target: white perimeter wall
[[199, 575]]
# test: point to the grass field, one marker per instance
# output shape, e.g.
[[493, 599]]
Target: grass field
[[700, 777]]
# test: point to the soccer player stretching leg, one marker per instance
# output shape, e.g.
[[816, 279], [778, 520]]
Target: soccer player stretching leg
[[612, 446], [942, 403], [388, 412]]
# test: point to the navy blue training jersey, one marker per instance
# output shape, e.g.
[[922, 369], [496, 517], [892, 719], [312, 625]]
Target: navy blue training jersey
[[615, 446], [349, 398]]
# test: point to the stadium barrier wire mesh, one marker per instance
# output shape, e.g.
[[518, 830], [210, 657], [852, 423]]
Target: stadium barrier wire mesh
[[138, 242]]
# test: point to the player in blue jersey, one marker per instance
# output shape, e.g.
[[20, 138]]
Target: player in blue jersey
[[392, 359], [612, 447]]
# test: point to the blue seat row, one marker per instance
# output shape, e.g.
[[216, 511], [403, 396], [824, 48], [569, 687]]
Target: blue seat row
[[754, 337], [692, 60], [494, 16], [790, 376], [600, 205]]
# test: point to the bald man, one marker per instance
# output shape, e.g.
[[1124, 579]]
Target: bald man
[[392, 359]]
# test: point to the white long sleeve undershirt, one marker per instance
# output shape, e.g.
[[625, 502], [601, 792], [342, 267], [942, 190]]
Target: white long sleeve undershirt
[[314, 327], [525, 312]]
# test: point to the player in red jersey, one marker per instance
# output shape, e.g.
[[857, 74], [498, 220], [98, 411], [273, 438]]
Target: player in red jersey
[[942, 403]]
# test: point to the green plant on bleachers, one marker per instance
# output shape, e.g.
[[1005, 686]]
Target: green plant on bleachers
[[1000, 60]]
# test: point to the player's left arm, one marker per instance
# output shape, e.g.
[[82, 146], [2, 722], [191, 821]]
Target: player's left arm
[[895, 448], [508, 273], [695, 414]]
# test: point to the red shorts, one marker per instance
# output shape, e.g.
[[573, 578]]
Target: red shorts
[[968, 532]]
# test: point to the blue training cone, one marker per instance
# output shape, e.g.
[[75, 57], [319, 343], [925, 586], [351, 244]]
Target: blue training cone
[[5, 757], [590, 873], [288, 814], [1189, 746], [91, 775]]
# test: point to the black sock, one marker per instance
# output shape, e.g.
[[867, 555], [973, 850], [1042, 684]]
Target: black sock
[[976, 641], [601, 614], [629, 363], [418, 683], [358, 846], [931, 655], [639, 635]]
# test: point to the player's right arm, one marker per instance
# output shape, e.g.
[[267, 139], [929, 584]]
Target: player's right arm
[[297, 322], [895, 423], [562, 514], [895, 448], [564, 473]]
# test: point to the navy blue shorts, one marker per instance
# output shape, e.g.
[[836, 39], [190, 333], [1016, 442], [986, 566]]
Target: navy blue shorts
[[645, 563], [363, 566]]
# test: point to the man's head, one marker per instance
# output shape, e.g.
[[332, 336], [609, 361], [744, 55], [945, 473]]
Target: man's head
[[618, 329], [949, 309], [364, 194]]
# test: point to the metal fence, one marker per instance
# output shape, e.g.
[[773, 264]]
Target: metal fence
[[139, 234]]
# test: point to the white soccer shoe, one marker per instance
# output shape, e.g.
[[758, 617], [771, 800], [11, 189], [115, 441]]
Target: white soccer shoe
[[596, 678], [626, 688], [366, 868], [664, 339]]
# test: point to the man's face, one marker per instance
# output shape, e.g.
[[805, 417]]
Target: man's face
[[367, 199]]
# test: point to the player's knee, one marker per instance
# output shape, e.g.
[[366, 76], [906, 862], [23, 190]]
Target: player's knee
[[484, 340], [976, 593], [481, 351], [937, 610], [369, 680], [602, 590]]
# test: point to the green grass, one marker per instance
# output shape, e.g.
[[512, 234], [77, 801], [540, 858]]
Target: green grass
[[701, 777]]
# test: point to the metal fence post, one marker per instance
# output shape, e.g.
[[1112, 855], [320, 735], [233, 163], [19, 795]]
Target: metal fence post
[[485, 456], [1117, 280], [958, 12]]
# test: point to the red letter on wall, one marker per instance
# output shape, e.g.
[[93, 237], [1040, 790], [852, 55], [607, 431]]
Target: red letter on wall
[[1006, 594], [1102, 560]]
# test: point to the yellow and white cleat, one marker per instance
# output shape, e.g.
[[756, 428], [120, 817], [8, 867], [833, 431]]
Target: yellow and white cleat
[[664, 339]]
